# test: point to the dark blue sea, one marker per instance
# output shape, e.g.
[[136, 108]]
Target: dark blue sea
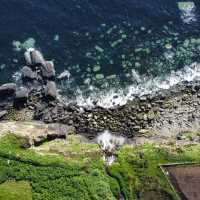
[[113, 50]]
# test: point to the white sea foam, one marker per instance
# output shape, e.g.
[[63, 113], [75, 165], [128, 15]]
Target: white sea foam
[[64, 75], [119, 96], [143, 85]]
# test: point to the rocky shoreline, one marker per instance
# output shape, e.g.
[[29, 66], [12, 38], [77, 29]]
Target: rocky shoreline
[[168, 111]]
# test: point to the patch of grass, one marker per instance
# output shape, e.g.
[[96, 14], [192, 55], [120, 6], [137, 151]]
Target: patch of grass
[[12, 190], [73, 170], [53, 176], [74, 148], [191, 136]]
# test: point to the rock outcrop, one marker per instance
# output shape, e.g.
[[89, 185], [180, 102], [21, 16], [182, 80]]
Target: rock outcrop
[[3, 113], [36, 132], [50, 90], [28, 74], [21, 97], [167, 111], [48, 70], [37, 77], [37, 58]]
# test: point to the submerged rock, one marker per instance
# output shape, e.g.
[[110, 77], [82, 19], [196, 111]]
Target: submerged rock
[[99, 76], [27, 44]]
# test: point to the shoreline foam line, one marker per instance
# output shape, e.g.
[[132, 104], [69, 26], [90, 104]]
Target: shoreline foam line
[[118, 97]]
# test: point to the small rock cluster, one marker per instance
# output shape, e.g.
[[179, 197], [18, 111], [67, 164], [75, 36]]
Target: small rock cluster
[[39, 72], [38, 78]]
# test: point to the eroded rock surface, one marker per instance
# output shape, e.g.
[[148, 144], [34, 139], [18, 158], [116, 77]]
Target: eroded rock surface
[[35, 132]]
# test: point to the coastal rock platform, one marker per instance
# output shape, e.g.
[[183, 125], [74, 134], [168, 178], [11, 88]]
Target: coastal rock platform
[[167, 112]]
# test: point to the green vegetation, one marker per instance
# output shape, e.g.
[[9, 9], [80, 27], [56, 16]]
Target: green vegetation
[[12, 190], [29, 43], [191, 136], [186, 5], [52, 176], [74, 149], [139, 175], [73, 170]]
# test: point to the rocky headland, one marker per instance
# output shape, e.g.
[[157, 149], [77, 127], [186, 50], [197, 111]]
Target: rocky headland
[[50, 145]]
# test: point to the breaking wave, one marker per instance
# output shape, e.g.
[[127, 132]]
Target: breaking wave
[[143, 85]]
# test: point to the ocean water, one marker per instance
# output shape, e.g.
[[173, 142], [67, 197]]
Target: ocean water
[[112, 50]]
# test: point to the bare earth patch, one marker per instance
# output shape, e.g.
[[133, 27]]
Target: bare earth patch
[[186, 180]]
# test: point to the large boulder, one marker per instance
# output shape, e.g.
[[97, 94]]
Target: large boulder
[[48, 70], [7, 89], [51, 90], [21, 97], [28, 74], [56, 130], [37, 58]]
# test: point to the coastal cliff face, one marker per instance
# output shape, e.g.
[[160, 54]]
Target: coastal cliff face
[[53, 150]]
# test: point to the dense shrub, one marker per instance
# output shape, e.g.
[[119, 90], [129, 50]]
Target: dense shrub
[[51, 177], [135, 173], [137, 169]]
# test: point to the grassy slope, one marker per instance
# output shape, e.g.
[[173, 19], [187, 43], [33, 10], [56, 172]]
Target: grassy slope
[[139, 174], [76, 170], [53, 177], [12, 190]]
